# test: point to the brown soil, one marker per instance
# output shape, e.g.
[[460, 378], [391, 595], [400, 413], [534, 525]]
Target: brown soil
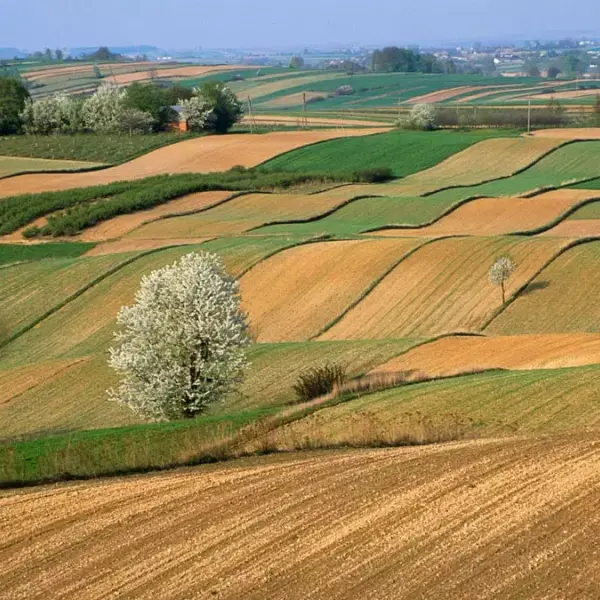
[[175, 72], [582, 133], [295, 294], [117, 246], [453, 355], [576, 228], [442, 95], [123, 224], [200, 155], [514, 519], [498, 216]]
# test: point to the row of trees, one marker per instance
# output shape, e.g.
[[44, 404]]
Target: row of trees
[[141, 108], [403, 60]]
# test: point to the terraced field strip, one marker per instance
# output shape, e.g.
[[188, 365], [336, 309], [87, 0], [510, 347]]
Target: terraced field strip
[[561, 299], [487, 160], [584, 222], [199, 155], [498, 216], [392, 523], [243, 214], [85, 326], [463, 354], [295, 294], [30, 290], [123, 224], [323, 121], [12, 165], [275, 367], [274, 87], [120, 246], [177, 73], [366, 214], [71, 69], [572, 162], [56, 396], [443, 287], [442, 95], [487, 404], [580, 133]]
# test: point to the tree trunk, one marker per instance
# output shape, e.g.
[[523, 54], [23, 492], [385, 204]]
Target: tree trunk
[[503, 294]]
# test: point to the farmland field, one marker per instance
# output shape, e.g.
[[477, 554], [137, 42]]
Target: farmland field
[[310, 520], [456, 455], [12, 165]]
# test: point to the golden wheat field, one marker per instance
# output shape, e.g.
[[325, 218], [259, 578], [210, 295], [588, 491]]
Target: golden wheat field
[[511, 518]]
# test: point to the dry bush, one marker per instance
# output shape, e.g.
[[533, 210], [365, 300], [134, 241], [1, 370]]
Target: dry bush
[[319, 381]]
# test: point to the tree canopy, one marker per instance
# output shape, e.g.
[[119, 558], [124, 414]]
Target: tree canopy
[[13, 95]]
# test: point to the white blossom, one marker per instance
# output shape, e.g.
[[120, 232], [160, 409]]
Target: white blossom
[[182, 344], [422, 116], [58, 113], [500, 272], [103, 111], [197, 112]]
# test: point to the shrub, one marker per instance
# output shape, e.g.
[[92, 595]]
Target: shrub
[[344, 90], [101, 112], [54, 114], [319, 381], [373, 175], [422, 117]]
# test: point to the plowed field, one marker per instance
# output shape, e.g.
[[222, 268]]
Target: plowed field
[[123, 224], [453, 355], [294, 295], [497, 519], [241, 214], [11, 165], [200, 155], [562, 298], [498, 216], [581, 133], [442, 287]]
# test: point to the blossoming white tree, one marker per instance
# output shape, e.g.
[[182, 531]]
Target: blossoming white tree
[[58, 113], [102, 111], [422, 116], [500, 272], [182, 344]]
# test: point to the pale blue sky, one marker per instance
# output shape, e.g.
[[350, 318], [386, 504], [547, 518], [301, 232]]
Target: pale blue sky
[[233, 23]]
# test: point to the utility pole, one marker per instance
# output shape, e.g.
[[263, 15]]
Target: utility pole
[[304, 109], [251, 114], [529, 117]]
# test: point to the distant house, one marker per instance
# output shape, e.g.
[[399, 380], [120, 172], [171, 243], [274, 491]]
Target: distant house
[[180, 123]]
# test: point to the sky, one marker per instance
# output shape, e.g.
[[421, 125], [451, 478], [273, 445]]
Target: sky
[[279, 23]]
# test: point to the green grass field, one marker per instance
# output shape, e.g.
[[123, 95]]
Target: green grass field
[[404, 152], [489, 404], [14, 253], [108, 149], [589, 211]]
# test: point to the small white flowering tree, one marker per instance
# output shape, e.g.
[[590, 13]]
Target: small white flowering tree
[[197, 112], [102, 111], [422, 116], [58, 113], [500, 272], [182, 344]]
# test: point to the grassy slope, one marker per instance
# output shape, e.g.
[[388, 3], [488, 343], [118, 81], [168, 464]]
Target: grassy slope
[[30, 290], [442, 287], [563, 297], [589, 211], [404, 152], [546, 401], [11, 165], [13, 253], [108, 149]]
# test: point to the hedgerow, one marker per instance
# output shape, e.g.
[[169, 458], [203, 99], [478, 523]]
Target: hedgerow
[[73, 210]]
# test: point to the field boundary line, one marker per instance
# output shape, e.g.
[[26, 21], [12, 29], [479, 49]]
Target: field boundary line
[[84, 289], [374, 284], [517, 294]]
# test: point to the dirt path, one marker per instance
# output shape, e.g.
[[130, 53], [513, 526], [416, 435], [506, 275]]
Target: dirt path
[[487, 520], [200, 155]]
